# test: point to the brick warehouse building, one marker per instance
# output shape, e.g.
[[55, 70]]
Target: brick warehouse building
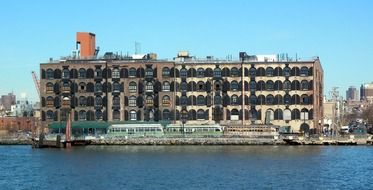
[[231, 93]]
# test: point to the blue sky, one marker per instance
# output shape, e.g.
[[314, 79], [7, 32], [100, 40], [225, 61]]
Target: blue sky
[[339, 32]]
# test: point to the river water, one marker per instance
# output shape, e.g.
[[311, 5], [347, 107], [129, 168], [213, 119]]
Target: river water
[[187, 167]]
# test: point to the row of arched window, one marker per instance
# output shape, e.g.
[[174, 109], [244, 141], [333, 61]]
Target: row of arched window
[[174, 72], [270, 114], [237, 72], [90, 73], [225, 100], [153, 100], [166, 86]]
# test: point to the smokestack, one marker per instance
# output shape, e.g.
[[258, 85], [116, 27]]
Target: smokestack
[[87, 42]]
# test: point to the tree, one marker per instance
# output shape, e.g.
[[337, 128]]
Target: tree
[[368, 114]]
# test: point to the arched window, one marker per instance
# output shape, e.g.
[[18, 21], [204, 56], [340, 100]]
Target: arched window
[[98, 73], [149, 101], [116, 101], [303, 71], [82, 87], [50, 74], [200, 86], [183, 73], [261, 85], [253, 115], [235, 114], [82, 115], [278, 71], [295, 85], [310, 114], [66, 87], [132, 101], [269, 85], [217, 85], [217, 72], [304, 99], [82, 73], [50, 115], [116, 115], [200, 72], [286, 71], [304, 114], [166, 86], [253, 100], [261, 100], [278, 100], [304, 85], [260, 71], [200, 114], [116, 87], [278, 114], [49, 87], [278, 85], [82, 101], [295, 99], [270, 99], [270, 115], [166, 101], [287, 99], [269, 72], [98, 87], [234, 100], [148, 72], [132, 72], [166, 72], [201, 100], [234, 86], [287, 115], [295, 114], [295, 71], [287, 85], [65, 73], [132, 87], [90, 74], [235, 72], [115, 74], [133, 115], [149, 87]]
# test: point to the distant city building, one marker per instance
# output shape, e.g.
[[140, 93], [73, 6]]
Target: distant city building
[[7, 101], [366, 92], [22, 108], [352, 94], [252, 90]]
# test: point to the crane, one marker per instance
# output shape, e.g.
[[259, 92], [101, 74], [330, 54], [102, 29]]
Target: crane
[[36, 82]]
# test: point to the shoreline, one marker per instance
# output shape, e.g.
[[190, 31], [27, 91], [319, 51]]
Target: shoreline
[[198, 141]]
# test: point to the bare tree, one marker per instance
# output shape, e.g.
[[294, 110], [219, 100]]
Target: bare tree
[[368, 114]]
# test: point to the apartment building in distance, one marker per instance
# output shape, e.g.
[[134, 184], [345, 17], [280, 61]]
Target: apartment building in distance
[[251, 90]]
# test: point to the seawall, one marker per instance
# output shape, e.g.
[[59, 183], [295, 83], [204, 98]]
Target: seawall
[[187, 141]]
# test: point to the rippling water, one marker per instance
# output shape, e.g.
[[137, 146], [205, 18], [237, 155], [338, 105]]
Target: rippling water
[[187, 167]]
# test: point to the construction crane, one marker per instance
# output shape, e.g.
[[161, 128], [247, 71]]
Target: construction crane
[[36, 82]]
